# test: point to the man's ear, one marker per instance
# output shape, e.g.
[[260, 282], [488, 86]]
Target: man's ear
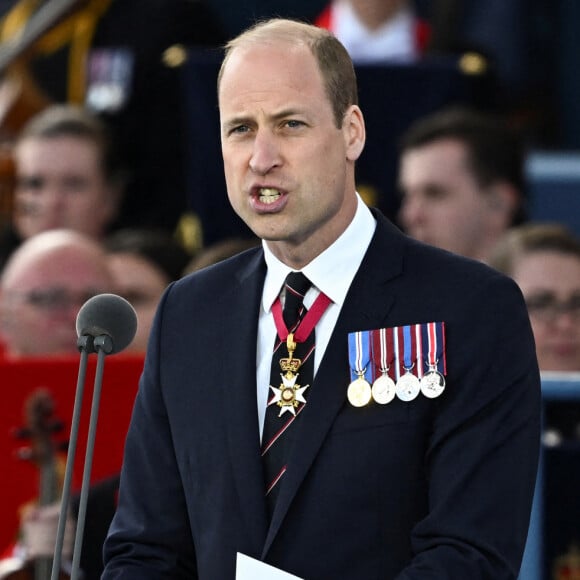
[[353, 127]]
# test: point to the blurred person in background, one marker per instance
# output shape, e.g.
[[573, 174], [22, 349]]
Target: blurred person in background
[[143, 262], [461, 174], [377, 31], [218, 251], [120, 59], [544, 260], [67, 176], [44, 284]]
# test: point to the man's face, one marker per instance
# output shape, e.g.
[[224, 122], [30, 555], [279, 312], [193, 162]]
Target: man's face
[[289, 169], [60, 184], [40, 302], [442, 203]]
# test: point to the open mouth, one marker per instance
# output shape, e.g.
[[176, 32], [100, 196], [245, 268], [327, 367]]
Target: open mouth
[[268, 195]]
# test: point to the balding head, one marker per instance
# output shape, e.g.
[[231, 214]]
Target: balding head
[[42, 287]]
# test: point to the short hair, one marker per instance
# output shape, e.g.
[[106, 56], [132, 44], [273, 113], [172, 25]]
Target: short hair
[[494, 151], [532, 238], [155, 246], [333, 60], [221, 250], [76, 121]]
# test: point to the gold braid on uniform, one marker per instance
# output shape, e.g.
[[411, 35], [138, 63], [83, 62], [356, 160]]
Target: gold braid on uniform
[[77, 31]]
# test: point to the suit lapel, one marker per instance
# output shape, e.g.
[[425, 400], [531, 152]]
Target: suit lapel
[[367, 306], [239, 395]]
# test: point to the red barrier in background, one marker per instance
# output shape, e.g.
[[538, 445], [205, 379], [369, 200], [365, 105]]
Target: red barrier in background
[[19, 379]]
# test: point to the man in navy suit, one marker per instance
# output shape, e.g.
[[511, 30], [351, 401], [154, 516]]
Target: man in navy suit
[[429, 472]]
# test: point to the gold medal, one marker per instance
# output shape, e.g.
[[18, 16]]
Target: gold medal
[[408, 387], [383, 390], [359, 392], [432, 383], [289, 396]]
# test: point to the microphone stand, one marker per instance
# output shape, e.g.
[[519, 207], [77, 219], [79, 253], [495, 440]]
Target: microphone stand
[[99, 312], [86, 346], [102, 345]]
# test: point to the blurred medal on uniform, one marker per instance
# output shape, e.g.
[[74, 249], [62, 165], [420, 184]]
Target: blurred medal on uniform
[[359, 354]]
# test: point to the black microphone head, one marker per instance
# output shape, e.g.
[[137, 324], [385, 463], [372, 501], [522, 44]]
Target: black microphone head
[[110, 315]]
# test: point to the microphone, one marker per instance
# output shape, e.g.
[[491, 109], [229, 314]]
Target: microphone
[[105, 324], [108, 315]]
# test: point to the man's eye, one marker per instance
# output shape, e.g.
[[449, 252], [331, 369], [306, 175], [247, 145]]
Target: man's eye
[[240, 129], [75, 184], [541, 302], [29, 183], [435, 193], [293, 123]]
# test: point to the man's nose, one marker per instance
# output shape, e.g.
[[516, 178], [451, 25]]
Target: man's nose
[[265, 153], [566, 318], [411, 212], [54, 197]]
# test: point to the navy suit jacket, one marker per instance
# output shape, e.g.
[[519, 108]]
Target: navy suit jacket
[[427, 489]]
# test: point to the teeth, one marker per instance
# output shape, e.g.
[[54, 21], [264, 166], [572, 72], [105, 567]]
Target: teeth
[[269, 195]]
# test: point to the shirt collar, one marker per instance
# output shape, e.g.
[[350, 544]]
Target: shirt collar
[[333, 270]]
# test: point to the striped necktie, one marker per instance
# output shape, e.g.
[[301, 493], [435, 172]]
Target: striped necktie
[[287, 388]]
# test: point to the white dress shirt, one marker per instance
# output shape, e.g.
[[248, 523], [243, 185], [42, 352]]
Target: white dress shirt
[[332, 273]]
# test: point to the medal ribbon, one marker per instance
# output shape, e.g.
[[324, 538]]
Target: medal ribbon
[[306, 325], [359, 355], [383, 352], [409, 351], [419, 346], [434, 341]]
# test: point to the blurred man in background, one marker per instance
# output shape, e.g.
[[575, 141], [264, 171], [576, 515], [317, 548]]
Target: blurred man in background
[[43, 286], [462, 181], [66, 177]]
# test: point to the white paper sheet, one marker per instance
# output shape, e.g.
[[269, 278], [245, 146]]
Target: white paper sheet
[[248, 568]]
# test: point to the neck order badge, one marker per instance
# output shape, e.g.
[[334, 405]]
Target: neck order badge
[[295, 329]]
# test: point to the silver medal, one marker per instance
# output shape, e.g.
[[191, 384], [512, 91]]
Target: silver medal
[[432, 383], [408, 387], [383, 389]]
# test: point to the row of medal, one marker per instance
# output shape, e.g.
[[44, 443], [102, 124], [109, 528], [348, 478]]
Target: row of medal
[[401, 362]]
